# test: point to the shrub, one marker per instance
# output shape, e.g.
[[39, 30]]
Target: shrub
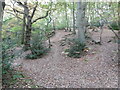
[[76, 49], [7, 58], [38, 48], [114, 26], [95, 24]]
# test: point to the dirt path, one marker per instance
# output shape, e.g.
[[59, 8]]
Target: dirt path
[[98, 69]]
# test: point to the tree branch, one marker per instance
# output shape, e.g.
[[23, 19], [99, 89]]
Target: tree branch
[[34, 9], [21, 4], [47, 13], [41, 17], [15, 10], [15, 15], [108, 25], [3, 5]]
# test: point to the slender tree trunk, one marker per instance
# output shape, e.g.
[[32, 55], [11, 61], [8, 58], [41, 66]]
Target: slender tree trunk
[[2, 5], [74, 18], [48, 22], [66, 17], [119, 15], [54, 25], [89, 16], [0, 44], [119, 36], [23, 31], [81, 21], [101, 35], [24, 24]]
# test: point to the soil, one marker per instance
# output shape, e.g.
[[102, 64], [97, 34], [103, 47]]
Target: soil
[[97, 69]]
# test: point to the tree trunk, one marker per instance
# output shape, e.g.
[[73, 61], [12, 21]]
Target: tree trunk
[[28, 19], [66, 17], [54, 25], [23, 28], [0, 44], [74, 18], [119, 35], [119, 15], [2, 5], [28, 28], [28, 33], [23, 31], [81, 21]]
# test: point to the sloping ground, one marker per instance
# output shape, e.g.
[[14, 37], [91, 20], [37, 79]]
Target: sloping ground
[[98, 69]]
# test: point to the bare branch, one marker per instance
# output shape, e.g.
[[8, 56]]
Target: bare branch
[[14, 15], [47, 13], [21, 4], [41, 17], [108, 25], [34, 9], [15, 10]]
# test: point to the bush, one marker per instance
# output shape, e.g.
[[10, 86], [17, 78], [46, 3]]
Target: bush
[[76, 49], [114, 26], [95, 24], [7, 58], [38, 48]]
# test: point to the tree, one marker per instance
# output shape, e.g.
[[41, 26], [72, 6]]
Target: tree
[[74, 18], [81, 6], [47, 28], [66, 15], [119, 31], [2, 5], [28, 20], [119, 15], [23, 27]]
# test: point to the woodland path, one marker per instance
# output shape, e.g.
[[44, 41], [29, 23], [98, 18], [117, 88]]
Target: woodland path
[[98, 69]]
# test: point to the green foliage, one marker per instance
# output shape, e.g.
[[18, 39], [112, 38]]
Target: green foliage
[[38, 49], [15, 28], [12, 28], [16, 76], [10, 77], [61, 24], [114, 26], [7, 57], [61, 27], [7, 20], [76, 49], [95, 24]]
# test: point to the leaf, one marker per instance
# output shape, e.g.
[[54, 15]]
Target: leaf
[[17, 76]]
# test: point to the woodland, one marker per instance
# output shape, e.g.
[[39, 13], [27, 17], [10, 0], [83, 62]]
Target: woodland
[[53, 44]]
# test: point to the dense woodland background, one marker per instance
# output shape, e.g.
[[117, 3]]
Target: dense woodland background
[[30, 25]]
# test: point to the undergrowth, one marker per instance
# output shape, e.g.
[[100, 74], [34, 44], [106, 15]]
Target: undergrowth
[[37, 48], [76, 49], [114, 26], [12, 78]]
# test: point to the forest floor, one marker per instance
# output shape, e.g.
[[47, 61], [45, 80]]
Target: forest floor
[[97, 69]]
